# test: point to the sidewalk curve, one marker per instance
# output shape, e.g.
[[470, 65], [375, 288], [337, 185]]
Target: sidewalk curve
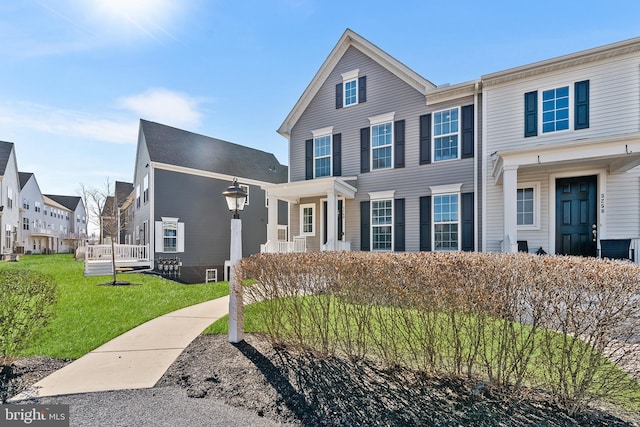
[[134, 360]]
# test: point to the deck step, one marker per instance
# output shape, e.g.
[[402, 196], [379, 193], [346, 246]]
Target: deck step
[[98, 269]]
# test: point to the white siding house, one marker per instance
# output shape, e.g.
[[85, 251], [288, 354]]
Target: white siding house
[[562, 142]]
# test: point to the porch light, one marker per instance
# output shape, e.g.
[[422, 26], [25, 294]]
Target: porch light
[[236, 198]]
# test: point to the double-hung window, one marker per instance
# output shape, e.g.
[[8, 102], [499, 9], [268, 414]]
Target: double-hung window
[[446, 134], [382, 141], [170, 235], [322, 156], [350, 87], [382, 225], [555, 109], [446, 217]]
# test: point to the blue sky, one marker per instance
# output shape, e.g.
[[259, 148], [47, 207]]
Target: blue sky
[[77, 75]]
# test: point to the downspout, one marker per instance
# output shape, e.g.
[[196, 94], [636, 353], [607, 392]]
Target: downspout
[[484, 171], [475, 166]]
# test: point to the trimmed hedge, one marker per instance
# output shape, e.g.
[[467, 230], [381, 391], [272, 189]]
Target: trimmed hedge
[[509, 319]]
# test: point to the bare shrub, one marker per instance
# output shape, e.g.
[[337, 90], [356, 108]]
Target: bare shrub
[[561, 323]]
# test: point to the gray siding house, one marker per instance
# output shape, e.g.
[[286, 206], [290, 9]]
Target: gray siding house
[[9, 200], [177, 207], [380, 158]]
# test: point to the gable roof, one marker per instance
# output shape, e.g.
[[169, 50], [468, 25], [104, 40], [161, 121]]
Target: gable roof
[[350, 38], [24, 178], [5, 153], [178, 147], [69, 202], [122, 191], [49, 201]]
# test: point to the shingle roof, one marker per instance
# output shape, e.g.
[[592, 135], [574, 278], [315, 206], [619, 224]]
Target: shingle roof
[[5, 152], [123, 189], [24, 178], [69, 202], [182, 148]]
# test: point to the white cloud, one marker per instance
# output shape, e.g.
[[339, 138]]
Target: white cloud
[[119, 130], [165, 106]]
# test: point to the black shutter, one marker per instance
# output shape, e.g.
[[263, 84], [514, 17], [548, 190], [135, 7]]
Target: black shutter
[[362, 89], [398, 225], [364, 149], [581, 105], [339, 95], [308, 159], [425, 223], [398, 144], [337, 154], [531, 114], [467, 243], [425, 139], [467, 131], [365, 224]]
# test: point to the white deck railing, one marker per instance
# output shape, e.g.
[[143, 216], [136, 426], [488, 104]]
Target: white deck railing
[[121, 252], [299, 244]]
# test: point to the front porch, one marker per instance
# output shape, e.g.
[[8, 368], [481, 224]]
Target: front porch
[[318, 207], [99, 259]]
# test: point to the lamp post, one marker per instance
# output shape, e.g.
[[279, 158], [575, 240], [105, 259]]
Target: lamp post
[[235, 200]]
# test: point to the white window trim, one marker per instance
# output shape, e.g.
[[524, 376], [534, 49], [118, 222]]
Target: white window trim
[[245, 188], [433, 221], [541, 131], [445, 189], [172, 220], [382, 199], [433, 134], [536, 205], [347, 77], [320, 133], [313, 219], [382, 118], [380, 195]]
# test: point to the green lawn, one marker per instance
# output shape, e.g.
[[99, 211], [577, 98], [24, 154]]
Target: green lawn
[[87, 315]]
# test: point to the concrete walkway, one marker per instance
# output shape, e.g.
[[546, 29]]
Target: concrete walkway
[[136, 359]]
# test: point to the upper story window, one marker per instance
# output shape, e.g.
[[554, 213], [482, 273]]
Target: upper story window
[[145, 188], [37, 207], [382, 141], [446, 134], [352, 90], [25, 203], [557, 106], [555, 109], [9, 198], [322, 156]]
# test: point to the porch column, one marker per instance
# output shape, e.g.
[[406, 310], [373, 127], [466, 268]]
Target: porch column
[[332, 222], [272, 220], [509, 193]]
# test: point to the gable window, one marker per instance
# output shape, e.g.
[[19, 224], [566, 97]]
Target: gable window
[[528, 205], [322, 156], [446, 134], [352, 90], [138, 195], [9, 198], [307, 220], [555, 109]]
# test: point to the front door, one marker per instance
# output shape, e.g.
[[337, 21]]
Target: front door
[[340, 223], [576, 216]]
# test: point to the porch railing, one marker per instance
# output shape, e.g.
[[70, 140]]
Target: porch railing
[[299, 244], [121, 252]]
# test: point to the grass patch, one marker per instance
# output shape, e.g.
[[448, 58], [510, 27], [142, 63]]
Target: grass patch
[[87, 315]]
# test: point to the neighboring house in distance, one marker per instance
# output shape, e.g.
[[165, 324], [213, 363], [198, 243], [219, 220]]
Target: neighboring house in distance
[[76, 225], [178, 207], [9, 200], [562, 142], [380, 159], [113, 215], [36, 236]]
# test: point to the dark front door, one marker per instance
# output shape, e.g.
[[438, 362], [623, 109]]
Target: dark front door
[[340, 223], [576, 216]]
